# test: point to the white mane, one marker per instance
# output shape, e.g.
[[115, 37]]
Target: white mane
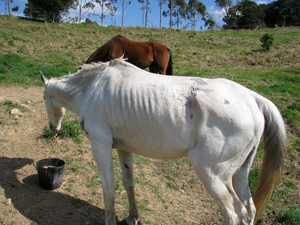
[[101, 65], [84, 76]]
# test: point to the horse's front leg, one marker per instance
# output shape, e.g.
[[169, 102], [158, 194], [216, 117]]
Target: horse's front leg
[[128, 180], [103, 155]]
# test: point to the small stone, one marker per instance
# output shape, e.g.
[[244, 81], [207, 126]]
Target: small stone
[[8, 201], [15, 112]]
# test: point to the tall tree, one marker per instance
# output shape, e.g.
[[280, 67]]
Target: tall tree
[[177, 9], [195, 10], [7, 5], [250, 14], [161, 3], [225, 6], [146, 9], [231, 18], [107, 7], [50, 10], [169, 12], [179, 12], [282, 12], [83, 7], [143, 10], [124, 3], [32, 11], [210, 23]]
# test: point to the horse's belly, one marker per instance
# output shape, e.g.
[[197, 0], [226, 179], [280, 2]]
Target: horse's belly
[[158, 148]]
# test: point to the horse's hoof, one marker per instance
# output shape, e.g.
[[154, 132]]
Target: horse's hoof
[[124, 222]]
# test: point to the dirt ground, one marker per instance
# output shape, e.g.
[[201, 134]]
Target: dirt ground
[[79, 200]]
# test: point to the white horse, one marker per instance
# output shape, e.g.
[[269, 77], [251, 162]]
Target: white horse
[[216, 123]]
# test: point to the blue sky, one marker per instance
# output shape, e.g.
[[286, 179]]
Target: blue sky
[[133, 14]]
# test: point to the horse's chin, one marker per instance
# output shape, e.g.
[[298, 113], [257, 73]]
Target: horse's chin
[[55, 128]]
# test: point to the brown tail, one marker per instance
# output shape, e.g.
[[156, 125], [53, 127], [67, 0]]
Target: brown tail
[[274, 152]]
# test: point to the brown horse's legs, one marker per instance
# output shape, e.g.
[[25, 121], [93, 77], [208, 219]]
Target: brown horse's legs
[[154, 68]]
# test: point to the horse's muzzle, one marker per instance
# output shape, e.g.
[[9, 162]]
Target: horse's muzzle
[[54, 128]]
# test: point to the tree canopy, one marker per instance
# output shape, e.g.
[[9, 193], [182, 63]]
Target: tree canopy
[[52, 10], [195, 9], [246, 14]]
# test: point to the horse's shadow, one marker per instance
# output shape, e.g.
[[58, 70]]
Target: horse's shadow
[[42, 206]]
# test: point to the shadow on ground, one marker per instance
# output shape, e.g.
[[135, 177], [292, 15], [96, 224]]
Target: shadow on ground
[[42, 206]]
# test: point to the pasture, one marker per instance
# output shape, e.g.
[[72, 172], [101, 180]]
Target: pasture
[[167, 192]]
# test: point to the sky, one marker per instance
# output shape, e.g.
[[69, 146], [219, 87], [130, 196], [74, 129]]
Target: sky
[[133, 14]]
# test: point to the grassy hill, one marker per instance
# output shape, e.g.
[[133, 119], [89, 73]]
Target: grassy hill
[[55, 49]]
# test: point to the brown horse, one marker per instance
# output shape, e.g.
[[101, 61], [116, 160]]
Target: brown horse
[[142, 54]]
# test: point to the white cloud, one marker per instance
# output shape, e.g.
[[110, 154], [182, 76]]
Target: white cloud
[[261, 2], [216, 13], [21, 1]]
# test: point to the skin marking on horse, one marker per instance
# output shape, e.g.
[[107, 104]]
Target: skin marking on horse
[[82, 126]]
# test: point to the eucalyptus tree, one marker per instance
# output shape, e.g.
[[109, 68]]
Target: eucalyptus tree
[[160, 4], [226, 7], [83, 7], [251, 14], [124, 3], [145, 8], [107, 7], [169, 12], [195, 10], [51, 10], [282, 12], [179, 12], [177, 9], [210, 23], [7, 5]]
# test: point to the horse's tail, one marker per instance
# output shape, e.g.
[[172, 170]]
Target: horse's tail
[[169, 68], [274, 152]]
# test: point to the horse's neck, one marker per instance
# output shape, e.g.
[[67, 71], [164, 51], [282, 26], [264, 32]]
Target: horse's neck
[[68, 94]]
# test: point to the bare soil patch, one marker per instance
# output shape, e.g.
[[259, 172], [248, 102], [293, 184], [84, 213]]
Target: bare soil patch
[[79, 200]]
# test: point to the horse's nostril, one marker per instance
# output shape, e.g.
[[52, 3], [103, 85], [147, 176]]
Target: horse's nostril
[[52, 127]]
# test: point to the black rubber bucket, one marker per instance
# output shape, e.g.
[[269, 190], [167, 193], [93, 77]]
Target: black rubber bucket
[[50, 172]]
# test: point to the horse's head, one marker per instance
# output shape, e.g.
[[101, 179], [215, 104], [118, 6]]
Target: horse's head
[[55, 111]]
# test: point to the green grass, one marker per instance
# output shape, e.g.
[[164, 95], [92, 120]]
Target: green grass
[[69, 129], [15, 69], [10, 105], [290, 216]]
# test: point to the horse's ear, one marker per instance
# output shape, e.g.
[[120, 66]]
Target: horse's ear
[[44, 79]]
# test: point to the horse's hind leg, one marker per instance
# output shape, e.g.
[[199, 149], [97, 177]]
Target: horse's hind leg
[[155, 68], [218, 182], [241, 187], [128, 180]]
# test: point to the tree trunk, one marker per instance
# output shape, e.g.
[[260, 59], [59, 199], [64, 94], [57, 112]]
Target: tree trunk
[[147, 5], [9, 12], [30, 9], [102, 15], [171, 12], [123, 6], [161, 1], [80, 9]]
